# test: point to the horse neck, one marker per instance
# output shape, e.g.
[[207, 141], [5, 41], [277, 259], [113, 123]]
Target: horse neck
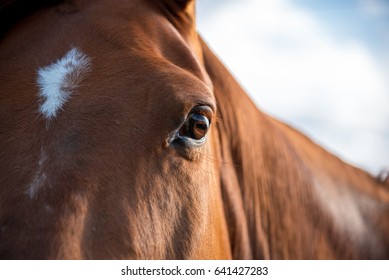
[[291, 190]]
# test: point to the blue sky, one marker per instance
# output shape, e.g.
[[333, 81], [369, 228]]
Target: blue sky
[[322, 66], [364, 20]]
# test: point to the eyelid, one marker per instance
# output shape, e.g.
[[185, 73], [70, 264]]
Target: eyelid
[[203, 109]]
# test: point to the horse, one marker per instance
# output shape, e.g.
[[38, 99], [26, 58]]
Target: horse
[[123, 136]]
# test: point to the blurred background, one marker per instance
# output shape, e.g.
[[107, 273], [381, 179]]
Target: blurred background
[[321, 66]]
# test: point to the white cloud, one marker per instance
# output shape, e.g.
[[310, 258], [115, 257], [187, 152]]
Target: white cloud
[[374, 7], [295, 70]]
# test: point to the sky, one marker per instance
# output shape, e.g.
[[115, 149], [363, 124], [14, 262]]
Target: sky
[[321, 66]]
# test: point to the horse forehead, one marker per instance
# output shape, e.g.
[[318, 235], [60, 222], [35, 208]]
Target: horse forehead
[[58, 80]]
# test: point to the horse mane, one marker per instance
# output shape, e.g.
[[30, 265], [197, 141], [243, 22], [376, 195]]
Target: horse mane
[[13, 11], [288, 173]]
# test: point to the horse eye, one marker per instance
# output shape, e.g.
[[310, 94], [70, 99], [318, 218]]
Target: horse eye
[[195, 127]]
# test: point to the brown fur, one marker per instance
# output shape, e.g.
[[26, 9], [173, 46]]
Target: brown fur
[[116, 189]]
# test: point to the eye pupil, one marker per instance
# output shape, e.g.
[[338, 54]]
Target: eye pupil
[[195, 127], [199, 129]]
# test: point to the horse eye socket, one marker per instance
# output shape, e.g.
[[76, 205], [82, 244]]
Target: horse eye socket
[[195, 127]]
